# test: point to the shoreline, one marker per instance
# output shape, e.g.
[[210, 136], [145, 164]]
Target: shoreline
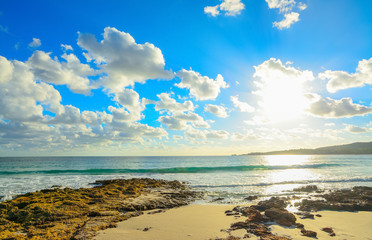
[[85, 213]]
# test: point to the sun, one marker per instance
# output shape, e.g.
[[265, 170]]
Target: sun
[[283, 100], [281, 90]]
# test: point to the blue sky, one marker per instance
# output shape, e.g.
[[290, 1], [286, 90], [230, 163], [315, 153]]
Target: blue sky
[[183, 77]]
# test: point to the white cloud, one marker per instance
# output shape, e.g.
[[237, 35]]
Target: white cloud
[[169, 104], [70, 72], [331, 108], [21, 97], [289, 19], [35, 43], [201, 87], [213, 11], [242, 106], [302, 6], [356, 129], [229, 7], [177, 137], [218, 111], [282, 5], [248, 135], [72, 115], [179, 121], [66, 47], [193, 133], [339, 80], [285, 7], [123, 60], [130, 100]]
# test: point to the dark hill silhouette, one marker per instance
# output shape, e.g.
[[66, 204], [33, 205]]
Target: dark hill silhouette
[[353, 148]]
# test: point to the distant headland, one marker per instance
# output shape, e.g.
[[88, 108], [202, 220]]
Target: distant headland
[[353, 148]]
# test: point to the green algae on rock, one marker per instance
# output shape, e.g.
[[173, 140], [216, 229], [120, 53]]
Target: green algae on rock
[[78, 213]]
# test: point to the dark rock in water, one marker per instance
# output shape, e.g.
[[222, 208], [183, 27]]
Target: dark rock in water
[[308, 233], [217, 199], [308, 188], [282, 217], [251, 198]]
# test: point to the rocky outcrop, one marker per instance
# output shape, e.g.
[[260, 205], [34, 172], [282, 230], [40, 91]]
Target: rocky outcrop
[[281, 216], [65, 213], [355, 199]]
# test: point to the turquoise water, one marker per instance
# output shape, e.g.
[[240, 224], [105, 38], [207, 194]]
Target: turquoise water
[[231, 177]]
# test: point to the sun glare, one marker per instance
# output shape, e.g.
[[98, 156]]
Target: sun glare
[[283, 100], [285, 160], [281, 89]]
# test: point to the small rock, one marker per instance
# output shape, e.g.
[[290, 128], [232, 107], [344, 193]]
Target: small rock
[[217, 199], [299, 225], [157, 211], [327, 229], [309, 188], [305, 215], [318, 215], [146, 229], [251, 198], [308, 233]]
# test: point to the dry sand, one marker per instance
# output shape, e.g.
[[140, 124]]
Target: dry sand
[[346, 225], [201, 222]]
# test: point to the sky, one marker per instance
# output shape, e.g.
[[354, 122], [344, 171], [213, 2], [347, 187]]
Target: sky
[[183, 77]]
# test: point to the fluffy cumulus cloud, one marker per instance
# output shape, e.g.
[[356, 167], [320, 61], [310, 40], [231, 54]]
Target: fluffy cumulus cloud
[[169, 104], [22, 98], [242, 106], [179, 121], [331, 108], [289, 19], [218, 111], [229, 7], [131, 101], [338, 80], [286, 7], [123, 60], [70, 72], [201, 87], [35, 43]]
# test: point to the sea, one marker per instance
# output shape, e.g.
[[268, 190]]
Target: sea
[[228, 178]]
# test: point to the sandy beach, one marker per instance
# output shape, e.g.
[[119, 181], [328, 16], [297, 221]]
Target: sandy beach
[[202, 222]]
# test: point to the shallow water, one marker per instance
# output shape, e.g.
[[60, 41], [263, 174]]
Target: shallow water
[[230, 177]]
